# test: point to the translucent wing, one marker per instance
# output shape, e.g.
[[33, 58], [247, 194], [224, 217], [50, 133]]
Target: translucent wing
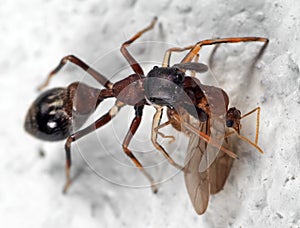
[[216, 131], [218, 102], [219, 170], [218, 162], [207, 168], [197, 183]]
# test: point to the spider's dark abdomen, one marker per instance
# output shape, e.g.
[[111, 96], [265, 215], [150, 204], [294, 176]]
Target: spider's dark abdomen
[[49, 117]]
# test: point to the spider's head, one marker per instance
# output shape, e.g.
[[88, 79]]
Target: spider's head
[[163, 85], [233, 117]]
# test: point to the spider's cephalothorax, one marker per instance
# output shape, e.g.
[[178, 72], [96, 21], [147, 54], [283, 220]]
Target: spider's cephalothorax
[[163, 85]]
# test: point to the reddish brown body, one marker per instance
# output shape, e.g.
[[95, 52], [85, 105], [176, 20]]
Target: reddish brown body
[[201, 111]]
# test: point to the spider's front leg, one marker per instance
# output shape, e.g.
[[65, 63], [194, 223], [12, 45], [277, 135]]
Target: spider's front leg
[[197, 47]]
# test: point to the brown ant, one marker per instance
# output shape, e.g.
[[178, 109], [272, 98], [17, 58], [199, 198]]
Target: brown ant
[[51, 116]]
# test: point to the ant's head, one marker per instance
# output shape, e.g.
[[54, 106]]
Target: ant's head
[[47, 118], [163, 85], [233, 117]]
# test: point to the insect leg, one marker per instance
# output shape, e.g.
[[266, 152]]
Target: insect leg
[[244, 139], [73, 59], [257, 121], [197, 46], [155, 124], [133, 63], [79, 134], [132, 130], [254, 144], [251, 143]]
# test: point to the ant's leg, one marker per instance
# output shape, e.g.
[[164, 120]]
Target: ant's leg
[[197, 47], [133, 63], [77, 135], [155, 125], [73, 59], [167, 56], [133, 127]]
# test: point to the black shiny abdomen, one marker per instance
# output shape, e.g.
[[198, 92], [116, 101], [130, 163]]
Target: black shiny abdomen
[[49, 117]]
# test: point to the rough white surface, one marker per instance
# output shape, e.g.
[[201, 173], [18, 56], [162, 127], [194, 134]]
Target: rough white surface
[[262, 190]]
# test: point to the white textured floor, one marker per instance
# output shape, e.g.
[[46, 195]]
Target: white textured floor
[[262, 190]]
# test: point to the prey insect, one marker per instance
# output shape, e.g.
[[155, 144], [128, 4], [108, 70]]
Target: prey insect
[[209, 156], [196, 109]]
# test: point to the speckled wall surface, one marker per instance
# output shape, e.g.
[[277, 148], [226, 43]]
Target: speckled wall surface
[[262, 190]]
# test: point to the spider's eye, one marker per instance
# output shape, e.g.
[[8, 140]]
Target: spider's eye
[[178, 78], [155, 67]]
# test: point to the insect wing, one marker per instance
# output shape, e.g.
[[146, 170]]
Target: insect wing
[[219, 171], [197, 183], [216, 131], [218, 102], [206, 166], [215, 160], [220, 168]]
